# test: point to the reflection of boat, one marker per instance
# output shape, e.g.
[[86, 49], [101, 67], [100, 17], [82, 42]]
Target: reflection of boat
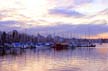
[[60, 46]]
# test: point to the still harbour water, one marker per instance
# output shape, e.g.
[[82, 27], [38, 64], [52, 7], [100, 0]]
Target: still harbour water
[[78, 59]]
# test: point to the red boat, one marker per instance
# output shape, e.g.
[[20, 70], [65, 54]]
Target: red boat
[[60, 46]]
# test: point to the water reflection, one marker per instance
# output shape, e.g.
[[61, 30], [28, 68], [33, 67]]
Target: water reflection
[[79, 59]]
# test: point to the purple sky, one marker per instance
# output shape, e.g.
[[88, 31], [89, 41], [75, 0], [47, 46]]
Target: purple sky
[[74, 16]]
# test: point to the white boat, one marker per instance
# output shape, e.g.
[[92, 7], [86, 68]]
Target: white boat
[[41, 46], [17, 45]]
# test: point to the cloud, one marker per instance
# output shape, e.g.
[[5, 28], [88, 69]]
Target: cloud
[[92, 29], [69, 3], [79, 2], [93, 7], [44, 15], [65, 12], [10, 22], [7, 28], [77, 30]]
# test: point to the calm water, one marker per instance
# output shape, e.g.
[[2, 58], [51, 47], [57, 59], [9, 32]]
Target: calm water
[[79, 59]]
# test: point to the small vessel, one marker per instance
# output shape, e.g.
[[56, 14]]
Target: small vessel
[[60, 46], [82, 44], [42, 46], [86, 44], [17, 45]]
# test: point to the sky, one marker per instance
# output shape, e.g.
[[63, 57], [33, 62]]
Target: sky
[[48, 16]]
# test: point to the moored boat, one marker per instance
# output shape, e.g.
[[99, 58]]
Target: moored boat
[[42, 46], [60, 46]]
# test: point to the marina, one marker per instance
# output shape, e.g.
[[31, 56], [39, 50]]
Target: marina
[[46, 45], [54, 35]]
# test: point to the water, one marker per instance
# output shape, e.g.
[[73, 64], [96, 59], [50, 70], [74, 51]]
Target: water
[[79, 59]]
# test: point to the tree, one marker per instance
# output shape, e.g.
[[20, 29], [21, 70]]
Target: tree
[[15, 36], [3, 38]]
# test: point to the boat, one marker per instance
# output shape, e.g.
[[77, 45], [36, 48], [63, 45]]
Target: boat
[[17, 45], [82, 44], [42, 46], [60, 46], [86, 44]]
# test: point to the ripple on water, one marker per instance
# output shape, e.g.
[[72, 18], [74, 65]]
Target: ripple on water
[[79, 59]]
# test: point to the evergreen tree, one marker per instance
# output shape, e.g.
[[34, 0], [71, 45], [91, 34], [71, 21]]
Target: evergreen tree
[[3, 38]]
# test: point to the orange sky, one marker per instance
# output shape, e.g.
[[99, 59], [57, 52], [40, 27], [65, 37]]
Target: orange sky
[[99, 36]]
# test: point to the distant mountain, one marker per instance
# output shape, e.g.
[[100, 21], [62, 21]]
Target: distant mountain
[[8, 28]]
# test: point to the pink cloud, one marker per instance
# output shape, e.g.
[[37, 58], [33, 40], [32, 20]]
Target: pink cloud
[[105, 2]]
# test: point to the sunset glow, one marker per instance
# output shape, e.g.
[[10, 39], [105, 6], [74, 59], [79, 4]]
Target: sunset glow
[[45, 13]]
